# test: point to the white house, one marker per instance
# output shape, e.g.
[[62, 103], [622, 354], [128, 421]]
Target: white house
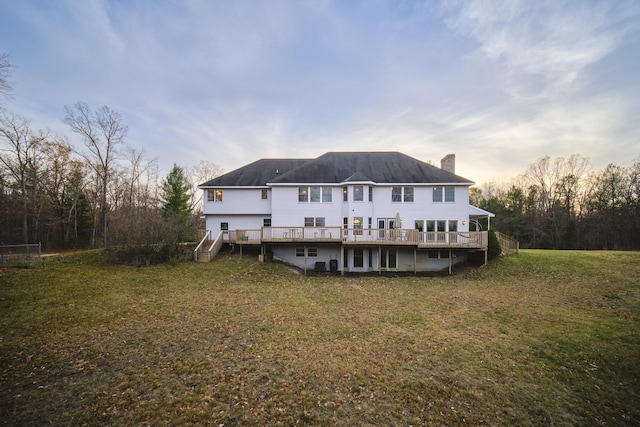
[[348, 212]]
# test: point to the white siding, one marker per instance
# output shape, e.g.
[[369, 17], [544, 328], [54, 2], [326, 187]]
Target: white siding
[[287, 211], [239, 201]]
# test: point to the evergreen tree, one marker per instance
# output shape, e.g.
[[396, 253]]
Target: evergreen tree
[[175, 194]]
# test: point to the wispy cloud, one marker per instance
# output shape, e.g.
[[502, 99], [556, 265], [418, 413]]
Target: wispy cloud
[[544, 46], [499, 83]]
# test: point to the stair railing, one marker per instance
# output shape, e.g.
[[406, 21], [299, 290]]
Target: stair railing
[[198, 250]]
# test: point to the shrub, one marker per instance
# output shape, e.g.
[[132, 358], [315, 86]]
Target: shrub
[[495, 249]]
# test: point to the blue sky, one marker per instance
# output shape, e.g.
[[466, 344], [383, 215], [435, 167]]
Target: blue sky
[[498, 83]]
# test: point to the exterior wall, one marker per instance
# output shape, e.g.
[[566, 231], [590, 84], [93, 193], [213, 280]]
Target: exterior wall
[[424, 259], [236, 222], [287, 211], [287, 253], [422, 208], [238, 201]]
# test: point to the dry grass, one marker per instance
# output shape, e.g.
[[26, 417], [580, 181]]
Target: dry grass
[[542, 338]]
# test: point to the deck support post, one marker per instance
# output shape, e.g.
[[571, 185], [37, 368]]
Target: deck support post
[[450, 261], [342, 260]]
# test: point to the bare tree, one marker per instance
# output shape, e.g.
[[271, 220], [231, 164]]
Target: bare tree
[[103, 132], [199, 174], [21, 156], [5, 71]]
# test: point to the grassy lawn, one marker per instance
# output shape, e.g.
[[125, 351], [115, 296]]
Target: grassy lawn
[[541, 338]]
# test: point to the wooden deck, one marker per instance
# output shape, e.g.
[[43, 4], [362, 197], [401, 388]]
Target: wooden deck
[[359, 237]]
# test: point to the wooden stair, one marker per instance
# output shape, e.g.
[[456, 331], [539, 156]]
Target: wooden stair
[[204, 256]]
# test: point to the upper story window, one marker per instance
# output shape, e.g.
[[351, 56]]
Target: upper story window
[[370, 193], [214, 195], [314, 194], [345, 194], [358, 193], [402, 194], [264, 194], [446, 194]]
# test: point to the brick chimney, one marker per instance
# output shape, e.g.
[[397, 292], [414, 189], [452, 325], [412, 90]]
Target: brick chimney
[[448, 163]]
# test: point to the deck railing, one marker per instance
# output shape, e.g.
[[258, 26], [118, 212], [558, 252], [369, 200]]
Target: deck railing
[[359, 236], [508, 244]]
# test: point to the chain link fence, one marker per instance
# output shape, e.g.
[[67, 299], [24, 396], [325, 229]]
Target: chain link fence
[[25, 256]]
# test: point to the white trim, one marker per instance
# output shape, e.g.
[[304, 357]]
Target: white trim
[[476, 211]]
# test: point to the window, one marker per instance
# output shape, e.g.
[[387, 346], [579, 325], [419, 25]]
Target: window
[[453, 225], [358, 193], [266, 222], [345, 222], [444, 254], [312, 252], [224, 226], [396, 194], [314, 194], [358, 258], [408, 194], [214, 195], [264, 193], [357, 225], [419, 225], [303, 194], [402, 194], [370, 193], [437, 194], [345, 194], [448, 194], [310, 221], [326, 194]]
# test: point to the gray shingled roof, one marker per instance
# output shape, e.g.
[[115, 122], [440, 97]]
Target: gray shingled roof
[[338, 167], [255, 174], [379, 167]]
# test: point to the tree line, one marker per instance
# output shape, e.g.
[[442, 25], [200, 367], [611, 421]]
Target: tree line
[[560, 204], [106, 193], [102, 192]]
